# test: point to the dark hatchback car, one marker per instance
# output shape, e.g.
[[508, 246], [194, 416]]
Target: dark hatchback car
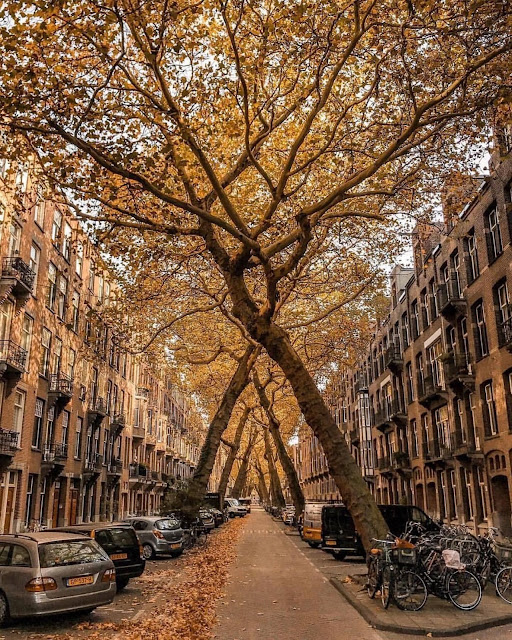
[[121, 544], [339, 535]]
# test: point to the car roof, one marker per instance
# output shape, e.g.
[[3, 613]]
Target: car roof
[[40, 537], [149, 518], [91, 526]]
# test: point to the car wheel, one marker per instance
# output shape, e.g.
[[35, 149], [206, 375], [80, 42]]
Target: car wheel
[[313, 545], [176, 554], [86, 612], [148, 553], [4, 610], [339, 555], [121, 583]]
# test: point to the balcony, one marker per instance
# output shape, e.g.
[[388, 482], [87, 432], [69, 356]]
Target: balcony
[[115, 468], [393, 359], [117, 424], [449, 299], [435, 451], [506, 334], [354, 436], [13, 358], [138, 432], [430, 390], [142, 393], [150, 439], [401, 461], [93, 464], [458, 372], [60, 387], [384, 465], [97, 410], [53, 460], [17, 275], [137, 473], [464, 446], [360, 386], [8, 442], [383, 420]]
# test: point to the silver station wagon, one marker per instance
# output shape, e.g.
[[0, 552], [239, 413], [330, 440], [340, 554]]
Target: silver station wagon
[[46, 573]]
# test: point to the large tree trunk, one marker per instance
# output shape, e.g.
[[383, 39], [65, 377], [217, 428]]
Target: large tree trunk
[[342, 466], [233, 451], [262, 486], [241, 478], [284, 457], [275, 483], [199, 482]]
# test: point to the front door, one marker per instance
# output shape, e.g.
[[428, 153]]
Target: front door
[[73, 506]]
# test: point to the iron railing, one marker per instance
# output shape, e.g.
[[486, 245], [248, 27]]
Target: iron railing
[[55, 451], [8, 442], [93, 463], [456, 365], [15, 267], [61, 383], [12, 354]]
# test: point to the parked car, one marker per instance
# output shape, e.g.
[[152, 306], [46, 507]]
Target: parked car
[[245, 502], [120, 542], [288, 514], [339, 535], [312, 523], [234, 508], [218, 516], [52, 572], [158, 534], [207, 519]]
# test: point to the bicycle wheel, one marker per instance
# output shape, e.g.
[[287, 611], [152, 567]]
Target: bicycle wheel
[[409, 591], [386, 589], [503, 584], [372, 585], [464, 590], [202, 539]]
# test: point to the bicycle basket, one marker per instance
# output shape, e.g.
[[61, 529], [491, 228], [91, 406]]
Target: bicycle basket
[[403, 556], [503, 552]]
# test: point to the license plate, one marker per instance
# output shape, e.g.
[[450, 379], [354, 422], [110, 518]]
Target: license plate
[[119, 556], [330, 543], [176, 545], [75, 582]]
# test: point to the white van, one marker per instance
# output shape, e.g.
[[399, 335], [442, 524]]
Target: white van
[[234, 508]]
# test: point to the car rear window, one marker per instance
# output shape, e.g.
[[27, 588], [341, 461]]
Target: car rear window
[[63, 553], [117, 537], [168, 523]]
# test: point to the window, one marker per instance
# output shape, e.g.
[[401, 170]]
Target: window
[[79, 264], [467, 493], [75, 311], [51, 292], [456, 273], [30, 501], [464, 336], [50, 425], [105, 445], [427, 444], [481, 494], [42, 500], [56, 226], [66, 242], [38, 424], [26, 333], [414, 439], [78, 437], [453, 490], [46, 339], [22, 177], [40, 205], [405, 330], [432, 299], [109, 396], [92, 269], [482, 346], [35, 255], [94, 384], [490, 416], [471, 247], [19, 408], [71, 363], [420, 372], [494, 242], [14, 239], [101, 288], [4, 167], [61, 297], [425, 308], [57, 355], [65, 427], [503, 313]]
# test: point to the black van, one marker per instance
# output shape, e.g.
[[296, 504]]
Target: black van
[[120, 542], [339, 535]]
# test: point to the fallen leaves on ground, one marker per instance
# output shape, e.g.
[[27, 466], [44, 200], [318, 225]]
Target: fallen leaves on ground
[[185, 601]]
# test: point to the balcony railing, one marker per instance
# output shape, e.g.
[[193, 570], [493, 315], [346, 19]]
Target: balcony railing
[[449, 297], [384, 463], [393, 358], [138, 431], [93, 463], [401, 460], [430, 388], [55, 452], [61, 384], [98, 407], [8, 442], [142, 392], [137, 471], [13, 356], [457, 368], [506, 333], [15, 267], [118, 422], [115, 466]]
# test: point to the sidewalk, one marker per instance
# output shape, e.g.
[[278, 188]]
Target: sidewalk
[[438, 618]]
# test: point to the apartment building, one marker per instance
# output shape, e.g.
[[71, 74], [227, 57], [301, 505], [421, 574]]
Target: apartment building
[[427, 412], [87, 431]]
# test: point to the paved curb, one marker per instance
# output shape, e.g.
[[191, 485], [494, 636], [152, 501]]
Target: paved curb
[[376, 623]]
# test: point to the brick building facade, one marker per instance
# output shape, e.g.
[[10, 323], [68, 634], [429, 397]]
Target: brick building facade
[[87, 431], [428, 410]]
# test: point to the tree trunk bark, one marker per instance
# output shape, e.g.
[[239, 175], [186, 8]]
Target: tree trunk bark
[[241, 478], [342, 466], [199, 482], [284, 457], [262, 486], [226, 471], [275, 484]]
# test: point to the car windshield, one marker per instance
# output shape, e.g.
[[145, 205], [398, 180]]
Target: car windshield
[[234, 502], [117, 537], [68, 552], [167, 524]]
